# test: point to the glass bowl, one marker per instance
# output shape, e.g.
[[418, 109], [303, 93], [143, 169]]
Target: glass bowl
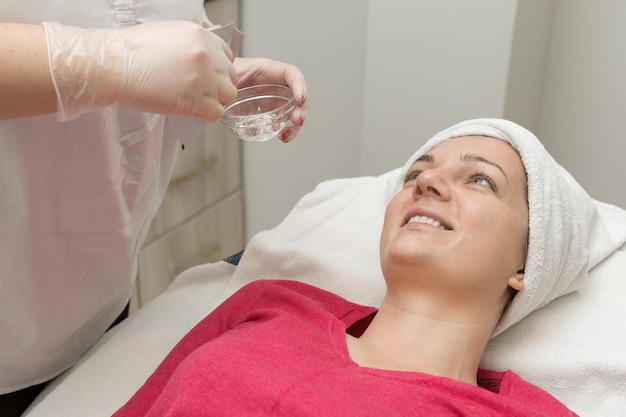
[[260, 112]]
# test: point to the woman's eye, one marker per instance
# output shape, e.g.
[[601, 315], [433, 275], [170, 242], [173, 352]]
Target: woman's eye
[[483, 180], [411, 176]]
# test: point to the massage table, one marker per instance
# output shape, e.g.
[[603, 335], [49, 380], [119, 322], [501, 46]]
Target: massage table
[[574, 348]]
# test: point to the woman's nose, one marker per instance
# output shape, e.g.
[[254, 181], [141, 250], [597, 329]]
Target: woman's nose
[[431, 182]]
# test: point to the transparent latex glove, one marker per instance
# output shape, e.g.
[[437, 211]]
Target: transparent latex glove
[[169, 67], [253, 71]]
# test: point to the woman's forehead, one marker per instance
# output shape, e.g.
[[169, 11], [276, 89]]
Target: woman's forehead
[[473, 144], [485, 146], [493, 150]]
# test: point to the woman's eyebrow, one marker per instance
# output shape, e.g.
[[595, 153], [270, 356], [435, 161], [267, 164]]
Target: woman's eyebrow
[[425, 158], [480, 159]]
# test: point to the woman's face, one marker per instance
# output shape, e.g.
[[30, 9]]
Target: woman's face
[[461, 221]]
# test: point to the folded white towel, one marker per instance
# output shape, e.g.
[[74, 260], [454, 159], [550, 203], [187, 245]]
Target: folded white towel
[[329, 239], [567, 236]]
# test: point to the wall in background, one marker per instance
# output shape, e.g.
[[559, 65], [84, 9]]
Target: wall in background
[[384, 75], [430, 64], [583, 110], [330, 49]]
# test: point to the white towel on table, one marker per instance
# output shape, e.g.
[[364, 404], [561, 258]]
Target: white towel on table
[[329, 239]]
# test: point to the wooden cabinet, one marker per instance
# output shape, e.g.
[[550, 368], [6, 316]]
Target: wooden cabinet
[[201, 217]]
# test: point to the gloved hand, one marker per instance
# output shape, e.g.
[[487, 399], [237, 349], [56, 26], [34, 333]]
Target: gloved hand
[[253, 71], [169, 67]]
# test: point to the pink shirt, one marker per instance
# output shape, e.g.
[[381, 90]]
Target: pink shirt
[[279, 348]]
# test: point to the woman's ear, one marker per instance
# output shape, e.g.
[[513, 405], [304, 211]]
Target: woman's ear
[[517, 281]]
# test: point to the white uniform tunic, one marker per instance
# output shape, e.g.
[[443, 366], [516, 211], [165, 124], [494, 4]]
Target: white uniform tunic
[[76, 201]]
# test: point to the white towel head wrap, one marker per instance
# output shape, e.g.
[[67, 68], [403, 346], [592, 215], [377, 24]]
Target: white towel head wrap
[[561, 215]]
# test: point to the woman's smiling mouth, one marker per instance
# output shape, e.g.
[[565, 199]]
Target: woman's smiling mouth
[[427, 220]]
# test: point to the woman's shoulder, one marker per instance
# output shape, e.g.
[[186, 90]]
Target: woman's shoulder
[[516, 388], [299, 298], [281, 291]]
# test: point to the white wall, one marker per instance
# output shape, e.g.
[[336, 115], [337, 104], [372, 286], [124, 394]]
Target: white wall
[[429, 64], [529, 54], [325, 39], [384, 75], [583, 112]]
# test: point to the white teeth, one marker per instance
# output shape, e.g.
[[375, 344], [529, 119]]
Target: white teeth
[[427, 220]]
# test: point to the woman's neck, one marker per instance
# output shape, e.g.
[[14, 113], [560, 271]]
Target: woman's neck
[[426, 340]]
